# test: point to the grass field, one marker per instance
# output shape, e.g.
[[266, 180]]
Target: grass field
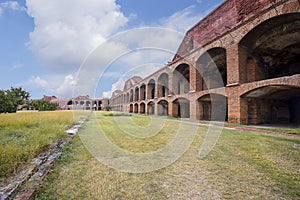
[[242, 165], [24, 135]]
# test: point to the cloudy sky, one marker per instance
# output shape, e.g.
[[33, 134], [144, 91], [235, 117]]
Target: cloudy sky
[[52, 47]]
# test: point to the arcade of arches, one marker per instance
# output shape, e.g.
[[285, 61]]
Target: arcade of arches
[[247, 71]]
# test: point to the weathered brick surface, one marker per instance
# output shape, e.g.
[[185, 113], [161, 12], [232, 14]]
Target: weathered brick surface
[[227, 16]]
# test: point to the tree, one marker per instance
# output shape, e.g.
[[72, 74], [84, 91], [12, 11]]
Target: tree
[[43, 105], [11, 98]]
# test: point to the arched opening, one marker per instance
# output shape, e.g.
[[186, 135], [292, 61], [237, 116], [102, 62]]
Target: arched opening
[[131, 95], [162, 108], [212, 107], [181, 79], [151, 108], [131, 108], [142, 108], [87, 105], [273, 105], [212, 66], [181, 108], [100, 105], [70, 103], [143, 92], [151, 89], [136, 108], [136, 94], [272, 49], [163, 85]]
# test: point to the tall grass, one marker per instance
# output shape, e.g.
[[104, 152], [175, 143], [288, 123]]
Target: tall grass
[[25, 135]]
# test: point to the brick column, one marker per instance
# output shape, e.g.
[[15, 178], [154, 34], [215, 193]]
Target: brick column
[[155, 108], [170, 109], [237, 107], [156, 90], [236, 64], [199, 110], [195, 79], [236, 75], [148, 92], [193, 109]]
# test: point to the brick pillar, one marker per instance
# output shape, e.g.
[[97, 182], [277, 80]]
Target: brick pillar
[[193, 109], [155, 108], [236, 64], [146, 109], [236, 75], [237, 107], [171, 109], [156, 90], [170, 85], [199, 110], [195, 79]]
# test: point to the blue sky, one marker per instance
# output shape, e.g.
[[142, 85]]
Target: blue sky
[[44, 43]]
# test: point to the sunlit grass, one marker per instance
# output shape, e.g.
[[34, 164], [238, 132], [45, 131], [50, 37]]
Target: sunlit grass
[[130, 139], [242, 165], [24, 135]]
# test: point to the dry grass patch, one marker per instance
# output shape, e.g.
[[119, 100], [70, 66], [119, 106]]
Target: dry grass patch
[[24, 135]]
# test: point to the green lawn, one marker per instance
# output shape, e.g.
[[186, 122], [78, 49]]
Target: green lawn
[[242, 165], [24, 135]]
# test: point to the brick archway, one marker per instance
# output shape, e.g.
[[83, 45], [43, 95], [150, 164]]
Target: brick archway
[[162, 108], [136, 108], [271, 49], [181, 79], [273, 104], [212, 69], [131, 108], [163, 85], [181, 108], [142, 108], [151, 89], [151, 108], [212, 107]]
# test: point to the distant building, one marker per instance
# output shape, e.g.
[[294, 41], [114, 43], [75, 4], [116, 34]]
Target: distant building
[[79, 103]]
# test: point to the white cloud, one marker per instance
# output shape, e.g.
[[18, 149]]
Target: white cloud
[[37, 81], [66, 31], [1, 11], [61, 86], [66, 88], [182, 20], [13, 5], [106, 94]]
